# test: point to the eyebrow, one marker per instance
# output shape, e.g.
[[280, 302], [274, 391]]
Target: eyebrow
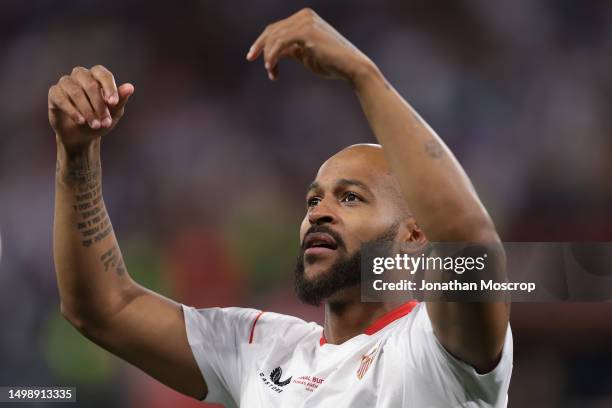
[[343, 183]]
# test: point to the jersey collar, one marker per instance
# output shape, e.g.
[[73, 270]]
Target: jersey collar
[[383, 320]]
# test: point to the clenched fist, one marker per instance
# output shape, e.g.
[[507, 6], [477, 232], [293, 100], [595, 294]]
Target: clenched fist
[[85, 105]]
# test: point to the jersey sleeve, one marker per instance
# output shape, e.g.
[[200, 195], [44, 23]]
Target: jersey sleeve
[[457, 380], [217, 337]]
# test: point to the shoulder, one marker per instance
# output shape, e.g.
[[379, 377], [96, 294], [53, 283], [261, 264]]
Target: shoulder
[[218, 317], [269, 325], [250, 325]]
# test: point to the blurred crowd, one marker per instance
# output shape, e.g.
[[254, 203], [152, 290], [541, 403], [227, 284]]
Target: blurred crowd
[[205, 176]]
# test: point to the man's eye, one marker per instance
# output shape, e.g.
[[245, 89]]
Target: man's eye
[[311, 202], [350, 197]]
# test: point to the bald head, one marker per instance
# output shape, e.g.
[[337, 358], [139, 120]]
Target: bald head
[[367, 160], [369, 154]]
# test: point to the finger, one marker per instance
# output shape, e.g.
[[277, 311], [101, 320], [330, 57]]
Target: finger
[[107, 80], [61, 102], [283, 35], [93, 90], [123, 92], [293, 51], [259, 43], [284, 42], [80, 101]]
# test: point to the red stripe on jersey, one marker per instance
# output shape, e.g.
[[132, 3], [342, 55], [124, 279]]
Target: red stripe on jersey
[[390, 317], [253, 326], [383, 320]]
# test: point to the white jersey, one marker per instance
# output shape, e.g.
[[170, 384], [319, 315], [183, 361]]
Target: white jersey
[[255, 359]]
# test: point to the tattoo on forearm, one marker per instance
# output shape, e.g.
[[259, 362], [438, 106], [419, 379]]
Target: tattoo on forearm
[[112, 259], [433, 149], [94, 223]]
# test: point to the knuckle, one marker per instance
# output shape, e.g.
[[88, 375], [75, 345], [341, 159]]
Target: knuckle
[[307, 12], [63, 79], [98, 67], [78, 70]]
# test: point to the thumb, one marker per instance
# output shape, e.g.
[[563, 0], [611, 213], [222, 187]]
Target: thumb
[[125, 91]]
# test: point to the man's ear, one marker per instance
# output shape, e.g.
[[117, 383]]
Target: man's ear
[[411, 235]]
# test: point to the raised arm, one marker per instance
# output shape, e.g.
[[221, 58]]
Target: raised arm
[[447, 208], [435, 187], [97, 294]]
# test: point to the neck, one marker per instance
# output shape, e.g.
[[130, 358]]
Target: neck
[[348, 317]]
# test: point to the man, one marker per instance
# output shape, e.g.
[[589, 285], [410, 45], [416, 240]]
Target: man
[[435, 354]]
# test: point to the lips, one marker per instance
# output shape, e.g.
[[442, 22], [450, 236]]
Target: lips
[[319, 242]]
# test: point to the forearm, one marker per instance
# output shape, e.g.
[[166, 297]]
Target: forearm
[[434, 185], [92, 278]]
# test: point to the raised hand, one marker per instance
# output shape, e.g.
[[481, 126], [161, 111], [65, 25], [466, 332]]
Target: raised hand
[[85, 105], [309, 39]]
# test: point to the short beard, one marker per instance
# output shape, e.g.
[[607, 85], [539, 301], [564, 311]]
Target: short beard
[[343, 274]]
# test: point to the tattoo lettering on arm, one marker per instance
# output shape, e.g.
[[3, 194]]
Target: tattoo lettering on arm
[[433, 149], [94, 223]]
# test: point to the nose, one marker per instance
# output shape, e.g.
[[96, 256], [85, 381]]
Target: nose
[[321, 214]]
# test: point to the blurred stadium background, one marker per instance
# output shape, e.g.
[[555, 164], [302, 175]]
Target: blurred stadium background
[[205, 176]]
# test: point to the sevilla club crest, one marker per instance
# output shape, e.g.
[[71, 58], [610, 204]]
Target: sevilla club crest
[[366, 362]]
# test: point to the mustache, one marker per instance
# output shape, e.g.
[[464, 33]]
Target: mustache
[[324, 229]]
